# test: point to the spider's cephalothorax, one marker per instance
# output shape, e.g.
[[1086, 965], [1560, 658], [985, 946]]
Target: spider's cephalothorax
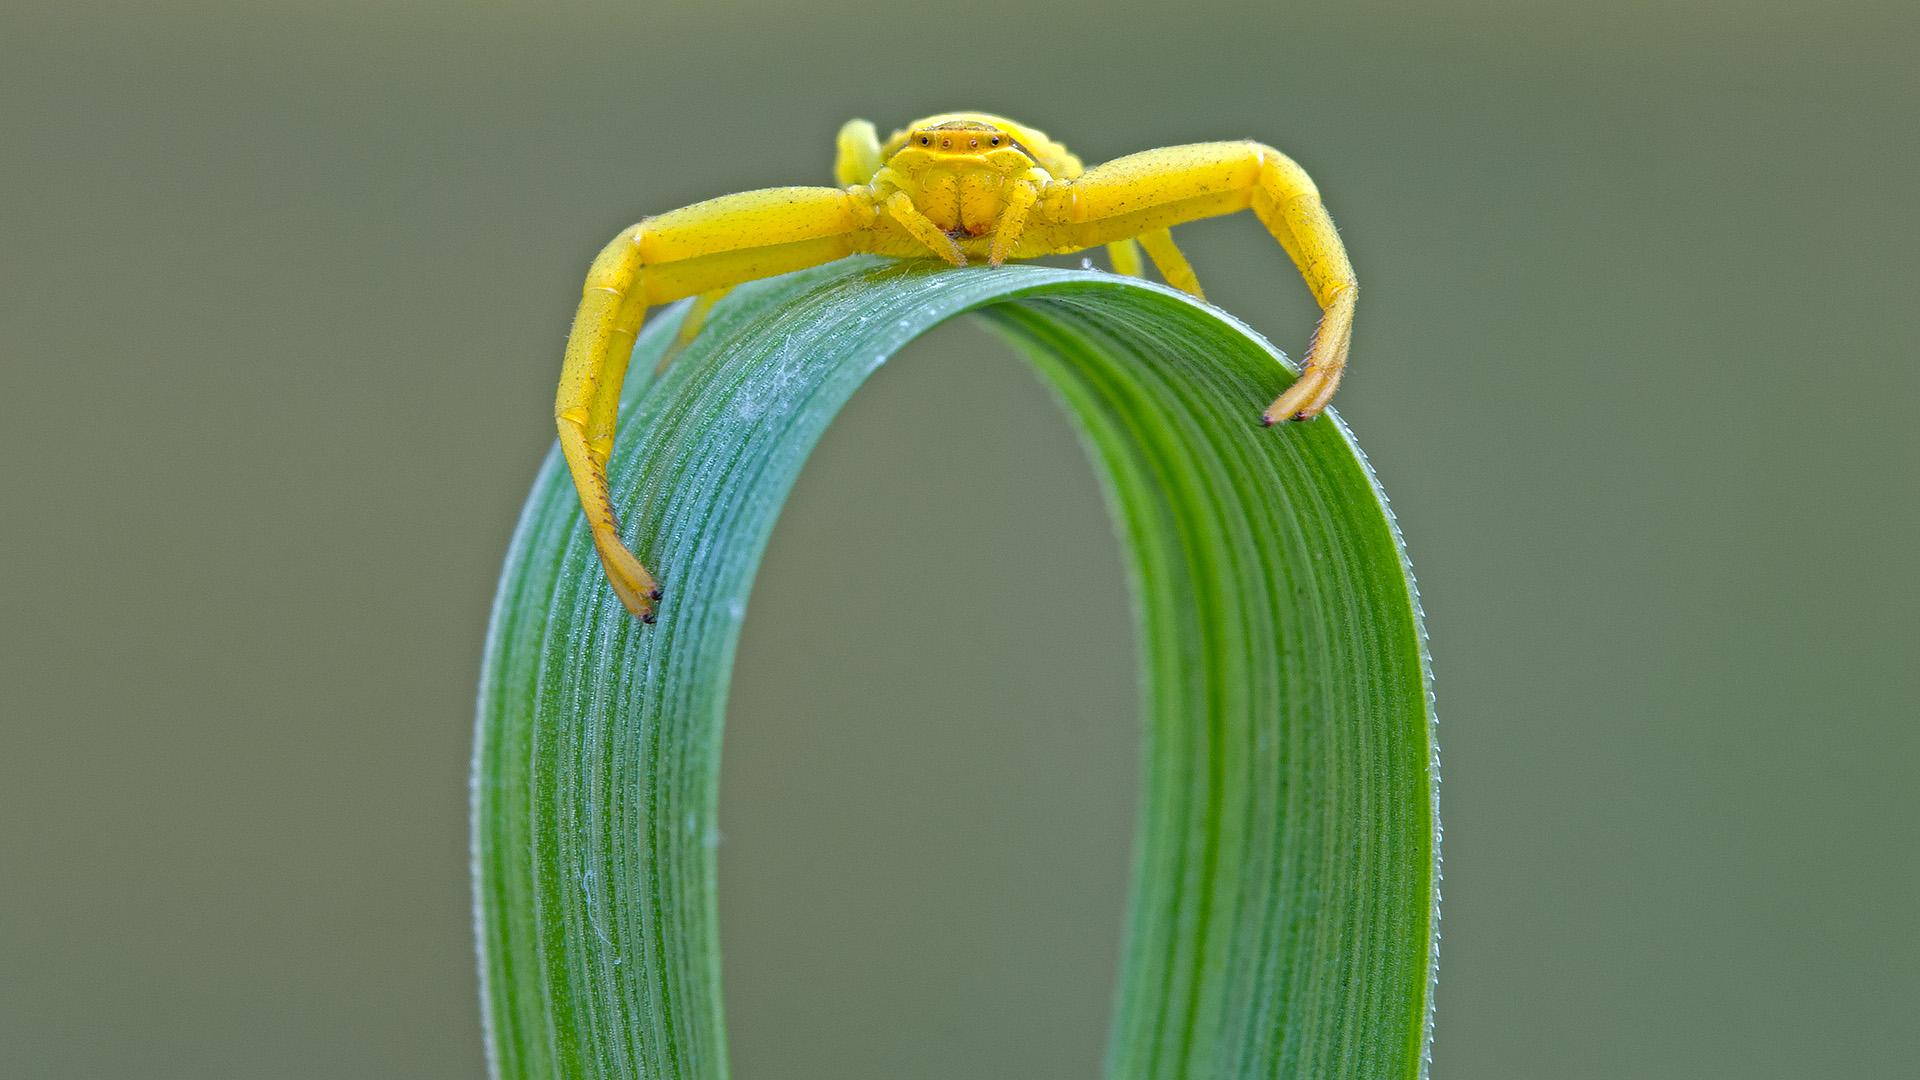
[[959, 174], [959, 186]]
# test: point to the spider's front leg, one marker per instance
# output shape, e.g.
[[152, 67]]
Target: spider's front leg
[[1145, 194], [702, 249]]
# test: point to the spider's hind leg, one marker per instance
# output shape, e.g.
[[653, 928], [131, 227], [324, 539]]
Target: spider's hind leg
[[690, 326], [1173, 265], [1166, 256], [857, 155]]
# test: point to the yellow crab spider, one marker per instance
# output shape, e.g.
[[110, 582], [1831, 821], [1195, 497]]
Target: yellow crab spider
[[957, 186]]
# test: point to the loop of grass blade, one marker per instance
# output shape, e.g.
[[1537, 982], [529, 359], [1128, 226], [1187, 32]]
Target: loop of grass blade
[[1282, 912]]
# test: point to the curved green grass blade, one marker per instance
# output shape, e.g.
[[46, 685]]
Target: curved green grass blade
[[1286, 873]]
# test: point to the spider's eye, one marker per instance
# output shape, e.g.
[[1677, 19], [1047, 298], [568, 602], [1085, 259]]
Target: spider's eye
[[995, 141], [926, 140]]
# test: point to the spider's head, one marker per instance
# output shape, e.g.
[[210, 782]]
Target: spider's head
[[959, 137], [958, 141]]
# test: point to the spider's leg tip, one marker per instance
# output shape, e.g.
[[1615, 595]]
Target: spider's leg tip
[[1265, 420], [654, 593], [649, 618]]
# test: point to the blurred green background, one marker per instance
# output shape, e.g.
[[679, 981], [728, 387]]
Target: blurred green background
[[282, 293]]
